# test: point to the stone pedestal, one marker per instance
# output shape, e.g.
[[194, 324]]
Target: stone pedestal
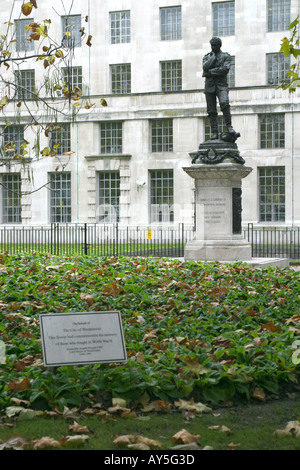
[[218, 201]]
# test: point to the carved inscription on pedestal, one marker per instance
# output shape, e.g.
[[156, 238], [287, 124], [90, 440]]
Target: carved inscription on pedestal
[[215, 209]]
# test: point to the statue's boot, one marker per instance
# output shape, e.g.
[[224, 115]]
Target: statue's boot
[[227, 118], [214, 126]]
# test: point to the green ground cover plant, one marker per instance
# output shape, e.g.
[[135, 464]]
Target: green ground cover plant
[[193, 331]]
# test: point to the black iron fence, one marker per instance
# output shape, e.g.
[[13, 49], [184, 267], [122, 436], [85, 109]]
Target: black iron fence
[[114, 240], [274, 242], [96, 239]]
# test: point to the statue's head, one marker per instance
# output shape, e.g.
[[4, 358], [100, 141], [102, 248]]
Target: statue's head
[[215, 41]]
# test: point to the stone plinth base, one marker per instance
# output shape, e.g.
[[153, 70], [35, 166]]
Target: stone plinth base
[[218, 235], [266, 262], [218, 250]]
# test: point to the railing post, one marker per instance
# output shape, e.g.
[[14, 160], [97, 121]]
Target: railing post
[[85, 240]]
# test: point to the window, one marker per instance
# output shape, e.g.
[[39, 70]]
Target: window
[[171, 75], [109, 196], [13, 138], [60, 197], [120, 27], [277, 66], [72, 77], [162, 135], [61, 137], [161, 196], [279, 15], [71, 30], [170, 23], [120, 75], [272, 131], [111, 137], [271, 194], [25, 84], [224, 18], [11, 198], [23, 41]]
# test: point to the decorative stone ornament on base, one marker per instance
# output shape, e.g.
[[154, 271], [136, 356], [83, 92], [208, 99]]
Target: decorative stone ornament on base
[[216, 151]]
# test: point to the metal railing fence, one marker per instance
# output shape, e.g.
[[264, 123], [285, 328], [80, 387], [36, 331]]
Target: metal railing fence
[[114, 240], [274, 242], [96, 239]]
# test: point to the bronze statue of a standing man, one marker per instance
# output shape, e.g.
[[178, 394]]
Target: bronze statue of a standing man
[[216, 65]]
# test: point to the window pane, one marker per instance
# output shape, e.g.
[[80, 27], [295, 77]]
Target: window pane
[[13, 138], [111, 137], [109, 196], [23, 40], [277, 66], [272, 131], [271, 194], [120, 27], [161, 196], [170, 23], [11, 198], [120, 78], [60, 197], [279, 15], [162, 135], [25, 84], [171, 75], [72, 77], [61, 136], [71, 26], [224, 18]]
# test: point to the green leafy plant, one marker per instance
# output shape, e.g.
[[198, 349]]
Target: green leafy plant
[[211, 330]]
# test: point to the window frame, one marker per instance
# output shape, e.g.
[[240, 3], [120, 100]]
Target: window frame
[[111, 137], [60, 212], [283, 64], [271, 198], [62, 136], [72, 77], [13, 134], [174, 69], [11, 213], [26, 89], [109, 192], [120, 74], [120, 34], [273, 136], [279, 23], [67, 25], [171, 23], [161, 196], [161, 128], [23, 41], [227, 28]]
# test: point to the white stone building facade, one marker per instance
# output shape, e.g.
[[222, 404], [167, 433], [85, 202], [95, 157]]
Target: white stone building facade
[[146, 62]]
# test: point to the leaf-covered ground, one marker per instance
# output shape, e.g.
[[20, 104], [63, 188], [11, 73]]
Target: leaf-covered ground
[[205, 330]]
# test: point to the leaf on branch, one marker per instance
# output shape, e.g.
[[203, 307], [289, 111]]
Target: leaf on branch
[[59, 54], [3, 102], [27, 8], [35, 36], [89, 43], [103, 102]]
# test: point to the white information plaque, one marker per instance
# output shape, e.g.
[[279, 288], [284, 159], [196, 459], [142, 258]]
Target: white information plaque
[[82, 338]]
